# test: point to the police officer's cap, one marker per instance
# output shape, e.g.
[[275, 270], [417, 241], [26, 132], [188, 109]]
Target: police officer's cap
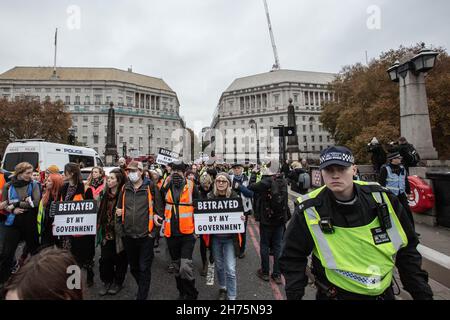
[[340, 156]]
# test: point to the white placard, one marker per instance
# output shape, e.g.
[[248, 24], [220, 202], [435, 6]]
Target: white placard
[[75, 224], [219, 223]]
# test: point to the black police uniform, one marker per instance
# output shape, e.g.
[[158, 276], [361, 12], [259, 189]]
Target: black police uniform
[[298, 245]]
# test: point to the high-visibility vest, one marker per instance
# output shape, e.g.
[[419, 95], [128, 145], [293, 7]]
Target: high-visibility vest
[[396, 182], [184, 208], [150, 208], [2, 182], [159, 184], [350, 257]]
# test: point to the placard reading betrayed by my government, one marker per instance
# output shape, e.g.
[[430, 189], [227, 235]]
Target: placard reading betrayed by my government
[[166, 156], [219, 216], [75, 218]]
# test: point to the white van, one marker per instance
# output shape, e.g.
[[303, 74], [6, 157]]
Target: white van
[[42, 154]]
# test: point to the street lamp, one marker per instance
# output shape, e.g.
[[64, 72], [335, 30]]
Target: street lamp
[[251, 123], [414, 114]]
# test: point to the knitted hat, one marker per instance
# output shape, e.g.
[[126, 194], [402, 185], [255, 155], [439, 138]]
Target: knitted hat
[[393, 155], [53, 169]]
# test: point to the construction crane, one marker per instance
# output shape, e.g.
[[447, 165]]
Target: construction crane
[[276, 66]]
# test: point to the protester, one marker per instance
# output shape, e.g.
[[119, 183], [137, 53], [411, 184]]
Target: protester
[[113, 264], [239, 179], [179, 194], [226, 247], [82, 247], [45, 277], [206, 186], [122, 163], [45, 218], [140, 209], [295, 178], [272, 212], [285, 168], [21, 197]]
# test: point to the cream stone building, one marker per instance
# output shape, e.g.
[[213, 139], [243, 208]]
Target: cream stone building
[[259, 103], [147, 109]]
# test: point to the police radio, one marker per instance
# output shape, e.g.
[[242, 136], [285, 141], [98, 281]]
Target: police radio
[[383, 216], [326, 226]]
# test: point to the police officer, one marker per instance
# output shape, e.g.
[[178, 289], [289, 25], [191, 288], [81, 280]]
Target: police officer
[[357, 232]]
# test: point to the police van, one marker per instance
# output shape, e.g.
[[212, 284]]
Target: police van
[[42, 154]]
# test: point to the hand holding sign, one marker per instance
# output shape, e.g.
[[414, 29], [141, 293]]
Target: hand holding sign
[[157, 219]]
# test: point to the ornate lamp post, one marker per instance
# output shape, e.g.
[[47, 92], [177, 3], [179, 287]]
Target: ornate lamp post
[[414, 115]]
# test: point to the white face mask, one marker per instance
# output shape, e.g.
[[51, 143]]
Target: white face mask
[[133, 176]]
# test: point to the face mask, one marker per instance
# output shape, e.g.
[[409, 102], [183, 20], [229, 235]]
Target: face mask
[[177, 179], [133, 176]]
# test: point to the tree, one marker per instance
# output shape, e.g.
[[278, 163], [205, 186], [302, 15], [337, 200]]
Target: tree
[[368, 103], [27, 118]]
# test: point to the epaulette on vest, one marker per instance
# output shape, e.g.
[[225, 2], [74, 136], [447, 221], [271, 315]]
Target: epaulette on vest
[[315, 202], [374, 188]]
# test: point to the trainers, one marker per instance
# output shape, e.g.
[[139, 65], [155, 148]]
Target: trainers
[[204, 271], [104, 291], [262, 275], [171, 268], [115, 289], [222, 294], [277, 279], [242, 255]]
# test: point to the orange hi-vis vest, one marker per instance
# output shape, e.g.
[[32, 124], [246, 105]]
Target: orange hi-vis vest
[[160, 184], [2, 184], [150, 208], [185, 210]]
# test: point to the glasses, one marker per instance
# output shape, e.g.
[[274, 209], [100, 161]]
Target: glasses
[[221, 181]]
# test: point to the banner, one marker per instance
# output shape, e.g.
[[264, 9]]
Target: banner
[[74, 218], [219, 216], [166, 156]]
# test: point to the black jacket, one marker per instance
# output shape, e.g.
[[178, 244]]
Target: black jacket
[[298, 245], [261, 203], [293, 179], [378, 154]]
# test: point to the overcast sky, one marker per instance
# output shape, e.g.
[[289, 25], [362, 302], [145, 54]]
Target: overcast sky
[[200, 46]]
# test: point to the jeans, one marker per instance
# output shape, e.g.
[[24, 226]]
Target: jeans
[[270, 237], [140, 257], [225, 264]]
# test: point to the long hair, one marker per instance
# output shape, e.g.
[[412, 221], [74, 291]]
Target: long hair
[[216, 192], [121, 179], [90, 178], [74, 169], [58, 182]]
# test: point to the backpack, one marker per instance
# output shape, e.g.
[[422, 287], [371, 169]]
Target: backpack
[[304, 181], [414, 157], [277, 196]]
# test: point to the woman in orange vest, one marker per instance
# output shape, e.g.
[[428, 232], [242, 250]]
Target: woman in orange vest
[[178, 195], [225, 247], [82, 247]]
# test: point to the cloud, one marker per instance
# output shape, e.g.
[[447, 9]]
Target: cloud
[[200, 46]]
